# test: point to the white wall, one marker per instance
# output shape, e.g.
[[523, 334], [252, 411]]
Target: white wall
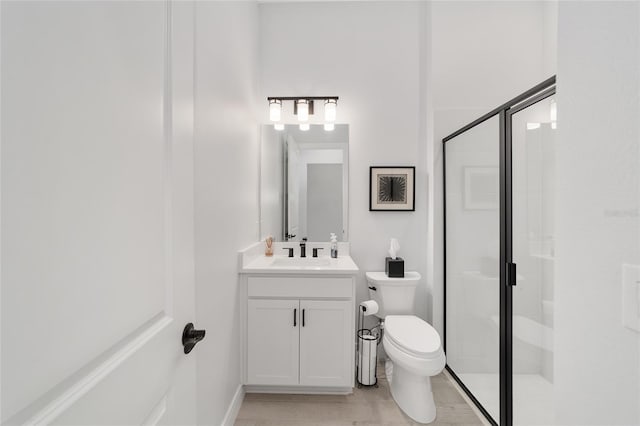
[[226, 182], [598, 224], [407, 75], [482, 53], [368, 54]]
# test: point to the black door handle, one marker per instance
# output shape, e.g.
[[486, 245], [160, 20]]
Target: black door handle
[[303, 317], [191, 336], [512, 276], [295, 315]]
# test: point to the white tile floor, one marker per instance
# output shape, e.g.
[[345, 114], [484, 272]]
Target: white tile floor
[[366, 406], [532, 397]]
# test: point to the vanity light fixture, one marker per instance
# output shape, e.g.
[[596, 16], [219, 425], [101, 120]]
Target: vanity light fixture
[[275, 109], [278, 126], [303, 108], [330, 106], [553, 111], [328, 127], [304, 126]]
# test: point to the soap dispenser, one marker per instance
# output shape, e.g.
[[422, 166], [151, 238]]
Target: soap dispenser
[[334, 246]]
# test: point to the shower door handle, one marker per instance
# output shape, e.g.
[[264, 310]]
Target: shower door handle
[[511, 274]]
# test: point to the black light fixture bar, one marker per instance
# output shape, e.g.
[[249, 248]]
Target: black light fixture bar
[[310, 100], [297, 98]]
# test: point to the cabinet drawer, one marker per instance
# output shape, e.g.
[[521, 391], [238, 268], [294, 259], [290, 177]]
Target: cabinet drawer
[[292, 287]]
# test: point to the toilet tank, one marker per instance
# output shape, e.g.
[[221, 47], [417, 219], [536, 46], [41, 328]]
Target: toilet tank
[[395, 296]]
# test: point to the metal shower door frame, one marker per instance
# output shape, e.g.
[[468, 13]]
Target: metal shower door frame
[[507, 268]]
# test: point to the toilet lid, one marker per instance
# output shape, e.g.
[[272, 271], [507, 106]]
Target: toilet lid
[[413, 334]]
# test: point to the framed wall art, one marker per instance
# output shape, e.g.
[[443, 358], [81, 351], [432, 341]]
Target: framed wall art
[[392, 188]]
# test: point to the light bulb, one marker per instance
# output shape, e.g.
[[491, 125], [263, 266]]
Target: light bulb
[[278, 126], [304, 126], [330, 106], [303, 110], [329, 127], [275, 109]]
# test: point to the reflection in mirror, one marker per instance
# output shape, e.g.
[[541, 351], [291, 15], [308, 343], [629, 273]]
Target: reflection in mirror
[[304, 183]]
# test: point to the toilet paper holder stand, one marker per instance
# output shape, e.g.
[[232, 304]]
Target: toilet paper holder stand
[[366, 369]]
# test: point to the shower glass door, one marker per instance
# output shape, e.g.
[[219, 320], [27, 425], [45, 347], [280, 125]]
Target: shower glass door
[[499, 258], [533, 128], [472, 318]]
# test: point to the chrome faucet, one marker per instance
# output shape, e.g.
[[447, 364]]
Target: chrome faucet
[[303, 247]]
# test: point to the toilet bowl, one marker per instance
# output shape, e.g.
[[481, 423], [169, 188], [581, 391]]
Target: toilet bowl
[[415, 354], [412, 345]]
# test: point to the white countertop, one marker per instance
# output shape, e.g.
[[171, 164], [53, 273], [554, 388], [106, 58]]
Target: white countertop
[[325, 265]]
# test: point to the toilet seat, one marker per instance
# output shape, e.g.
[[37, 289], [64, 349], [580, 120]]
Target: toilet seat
[[413, 336]]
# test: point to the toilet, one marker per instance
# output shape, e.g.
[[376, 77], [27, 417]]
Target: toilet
[[412, 345]]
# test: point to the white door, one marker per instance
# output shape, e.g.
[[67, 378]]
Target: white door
[[324, 201], [272, 342], [97, 213], [326, 356], [293, 189]]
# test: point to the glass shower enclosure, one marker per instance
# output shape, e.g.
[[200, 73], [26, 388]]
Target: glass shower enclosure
[[499, 254]]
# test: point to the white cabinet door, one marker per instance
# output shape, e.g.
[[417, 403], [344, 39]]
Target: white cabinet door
[[326, 342], [97, 214], [273, 342]]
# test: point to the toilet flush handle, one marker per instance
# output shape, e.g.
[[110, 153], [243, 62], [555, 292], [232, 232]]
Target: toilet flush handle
[[373, 288]]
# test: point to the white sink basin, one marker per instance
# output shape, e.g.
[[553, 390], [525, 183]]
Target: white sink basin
[[300, 261], [314, 265]]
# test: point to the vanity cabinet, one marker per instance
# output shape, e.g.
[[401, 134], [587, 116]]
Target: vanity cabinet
[[273, 342], [300, 333], [325, 343]]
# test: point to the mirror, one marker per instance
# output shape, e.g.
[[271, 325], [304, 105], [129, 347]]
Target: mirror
[[304, 183]]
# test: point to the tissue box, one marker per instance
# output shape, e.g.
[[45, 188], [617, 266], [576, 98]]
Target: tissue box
[[394, 268]]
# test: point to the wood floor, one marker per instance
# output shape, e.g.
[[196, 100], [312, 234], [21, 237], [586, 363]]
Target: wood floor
[[366, 406]]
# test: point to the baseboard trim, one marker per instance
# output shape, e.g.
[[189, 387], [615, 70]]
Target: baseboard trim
[[234, 407], [306, 390]]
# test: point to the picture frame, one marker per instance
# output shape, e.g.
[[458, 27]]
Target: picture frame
[[481, 188], [392, 188]]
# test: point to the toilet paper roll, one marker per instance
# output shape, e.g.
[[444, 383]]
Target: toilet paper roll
[[370, 307], [367, 360]]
